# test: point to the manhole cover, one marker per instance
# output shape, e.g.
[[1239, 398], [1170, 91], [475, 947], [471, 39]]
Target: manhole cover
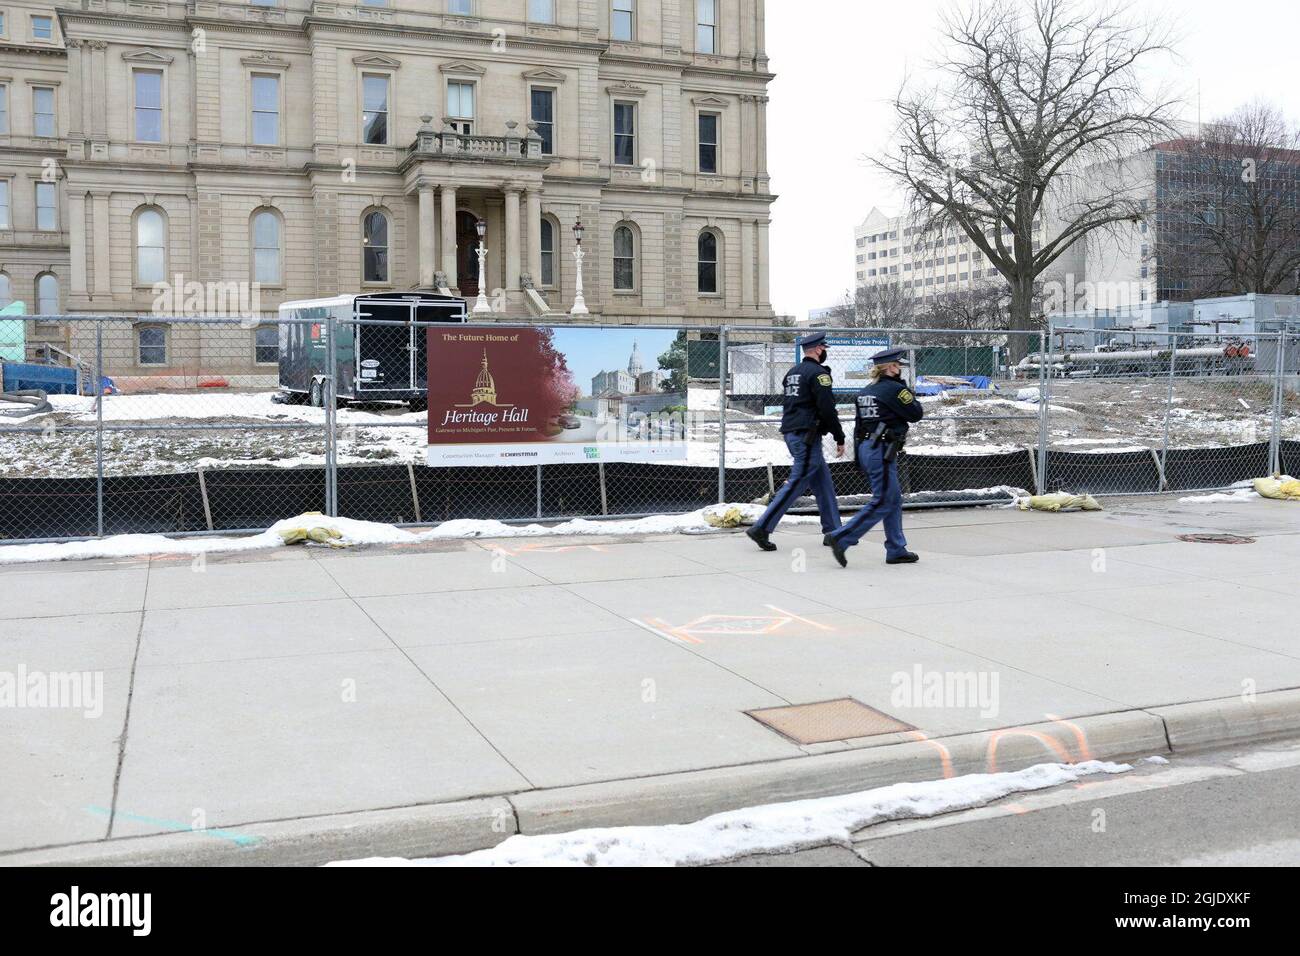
[[817, 723], [1216, 538]]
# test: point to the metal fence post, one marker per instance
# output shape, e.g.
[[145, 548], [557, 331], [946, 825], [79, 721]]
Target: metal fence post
[[99, 429], [722, 415], [1044, 404], [331, 415], [1169, 410], [1275, 439]]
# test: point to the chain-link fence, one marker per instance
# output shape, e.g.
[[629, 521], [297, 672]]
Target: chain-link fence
[[179, 425]]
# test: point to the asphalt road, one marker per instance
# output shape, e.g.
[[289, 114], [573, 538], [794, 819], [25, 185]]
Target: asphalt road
[[1224, 808]]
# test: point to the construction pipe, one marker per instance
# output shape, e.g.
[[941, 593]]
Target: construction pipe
[[1133, 355], [33, 397]]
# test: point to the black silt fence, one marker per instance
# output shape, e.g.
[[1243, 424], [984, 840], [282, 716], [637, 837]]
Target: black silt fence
[[258, 499], [48, 508], [1105, 473], [1290, 454], [1190, 468]]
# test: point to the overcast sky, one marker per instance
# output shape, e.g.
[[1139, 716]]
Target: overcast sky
[[838, 63]]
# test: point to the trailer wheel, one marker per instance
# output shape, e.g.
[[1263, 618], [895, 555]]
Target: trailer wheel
[[318, 394]]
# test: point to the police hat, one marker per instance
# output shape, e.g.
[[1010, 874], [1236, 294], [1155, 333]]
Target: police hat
[[890, 355], [813, 338]]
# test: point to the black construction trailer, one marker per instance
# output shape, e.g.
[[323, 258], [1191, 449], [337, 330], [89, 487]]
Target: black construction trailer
[[379, 347]]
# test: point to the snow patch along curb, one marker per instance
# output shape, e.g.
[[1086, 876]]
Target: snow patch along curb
[[684, 797]]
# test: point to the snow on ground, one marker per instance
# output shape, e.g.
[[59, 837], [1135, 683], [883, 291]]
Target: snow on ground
[[771, 828], [1227, 496], [369, 532]]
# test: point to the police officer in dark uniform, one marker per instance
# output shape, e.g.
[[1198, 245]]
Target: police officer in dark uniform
[[809, 414], [885, 410]]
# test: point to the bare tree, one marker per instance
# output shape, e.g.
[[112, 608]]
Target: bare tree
[[1230, 220], [1034, 94], [883, 305]]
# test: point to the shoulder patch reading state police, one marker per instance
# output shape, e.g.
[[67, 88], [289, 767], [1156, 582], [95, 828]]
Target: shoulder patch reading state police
[[905, 397], [824, 380]]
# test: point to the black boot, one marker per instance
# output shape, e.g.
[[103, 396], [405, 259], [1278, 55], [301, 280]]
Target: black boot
[[907, 557], [759, 537], [836, 550]]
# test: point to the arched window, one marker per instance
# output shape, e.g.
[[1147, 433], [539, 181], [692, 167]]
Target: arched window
[[624, 259], [47, 294], [150, 247], [6, 290], [707, 257], [548, 277], [266, 247], [374, 242]]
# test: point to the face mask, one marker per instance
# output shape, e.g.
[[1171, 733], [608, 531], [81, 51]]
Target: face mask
[[825, 352]]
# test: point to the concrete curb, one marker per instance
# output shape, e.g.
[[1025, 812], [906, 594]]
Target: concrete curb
[[429, 830], [1231, 719], [467, 825]]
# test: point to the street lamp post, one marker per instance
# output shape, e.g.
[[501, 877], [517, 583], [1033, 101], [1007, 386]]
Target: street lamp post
[[579, 304], [482, 304]]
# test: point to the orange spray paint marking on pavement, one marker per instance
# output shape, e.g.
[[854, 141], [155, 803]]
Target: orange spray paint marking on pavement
[[1052, 744], [1080, 738], [945, 757]]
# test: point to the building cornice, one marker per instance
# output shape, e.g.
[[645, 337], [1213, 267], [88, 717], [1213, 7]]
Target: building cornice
[[52, 51]]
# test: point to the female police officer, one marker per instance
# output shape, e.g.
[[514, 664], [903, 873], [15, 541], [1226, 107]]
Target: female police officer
[[885, 409]]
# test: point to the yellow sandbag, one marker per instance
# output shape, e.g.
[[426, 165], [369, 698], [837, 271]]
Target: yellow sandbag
[[305, 529], [733, 517], [1059, 501], [1281, 489]]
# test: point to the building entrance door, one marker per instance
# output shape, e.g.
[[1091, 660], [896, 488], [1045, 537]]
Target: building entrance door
[[467, 254]]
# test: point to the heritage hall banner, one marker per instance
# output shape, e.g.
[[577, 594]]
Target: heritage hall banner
[[529, 396]]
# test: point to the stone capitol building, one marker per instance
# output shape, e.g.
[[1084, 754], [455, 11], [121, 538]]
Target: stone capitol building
[[311, 148]]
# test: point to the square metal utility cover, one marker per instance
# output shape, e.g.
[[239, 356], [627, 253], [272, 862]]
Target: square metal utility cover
[[841, 719]]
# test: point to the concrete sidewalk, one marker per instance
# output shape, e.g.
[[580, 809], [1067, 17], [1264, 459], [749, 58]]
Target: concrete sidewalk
[[469, 680]]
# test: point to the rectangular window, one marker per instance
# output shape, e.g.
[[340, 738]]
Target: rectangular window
[[623, 21], [47, 210], [374, 106], [543, 113], [43, 111], [148, 106], [4, 110], [460, 106], [541, 11], [708, 142], [152, 348], [264, 3], [462, 7], [266, 110], [624, 134], [42, 28], [5, 221], [2, 23], [266, 345], [706, 26]]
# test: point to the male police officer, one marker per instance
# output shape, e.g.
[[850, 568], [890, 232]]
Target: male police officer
[[885, 409], [809, 414]]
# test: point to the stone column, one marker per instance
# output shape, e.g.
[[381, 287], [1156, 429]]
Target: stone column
[[764, 295], [103, 263], [449, 235], [512, 237], [747, 263], [428, 246], [533, 229], [77, 241]]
